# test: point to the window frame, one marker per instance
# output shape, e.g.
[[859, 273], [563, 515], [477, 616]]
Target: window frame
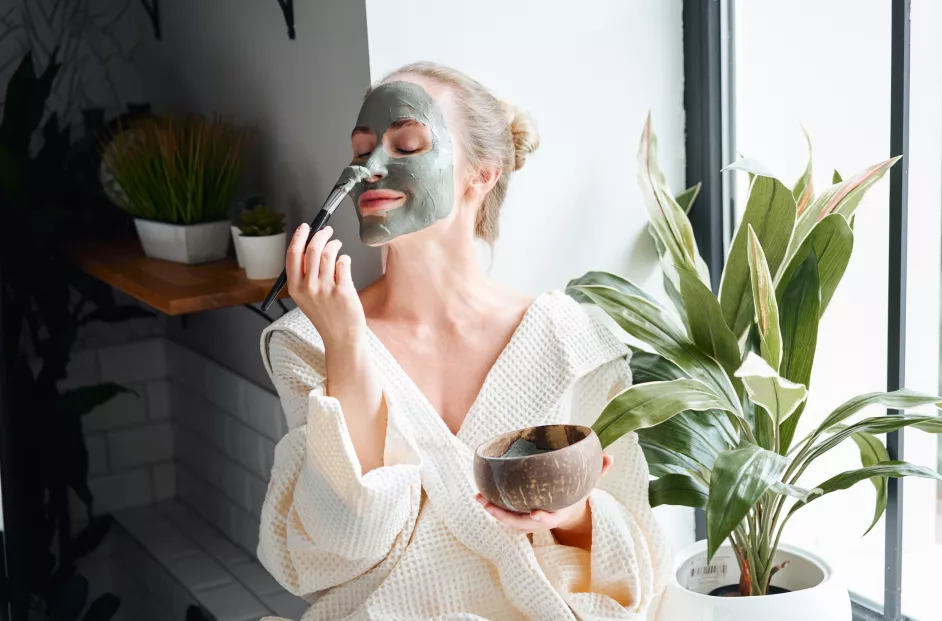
[[709, 104]]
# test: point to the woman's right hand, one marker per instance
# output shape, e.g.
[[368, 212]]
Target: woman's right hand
[[320, 284]]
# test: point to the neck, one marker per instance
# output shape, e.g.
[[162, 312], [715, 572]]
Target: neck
[[434, 281]]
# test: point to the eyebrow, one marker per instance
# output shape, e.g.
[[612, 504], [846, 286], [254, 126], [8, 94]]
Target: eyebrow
[[362, 129]]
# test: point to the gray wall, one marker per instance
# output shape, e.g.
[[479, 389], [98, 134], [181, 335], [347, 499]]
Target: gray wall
[[233, 57]]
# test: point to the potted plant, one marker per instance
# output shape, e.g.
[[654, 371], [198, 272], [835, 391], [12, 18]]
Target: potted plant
[[176, 176], [263, 242], [722, 382]]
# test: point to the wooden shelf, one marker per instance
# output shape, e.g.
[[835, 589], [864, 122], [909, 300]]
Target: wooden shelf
[[171, 288]]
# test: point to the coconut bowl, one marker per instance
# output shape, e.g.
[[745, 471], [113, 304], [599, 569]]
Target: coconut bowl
[[548, 467]]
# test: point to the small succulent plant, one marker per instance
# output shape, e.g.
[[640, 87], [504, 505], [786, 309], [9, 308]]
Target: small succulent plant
[[261, 221]]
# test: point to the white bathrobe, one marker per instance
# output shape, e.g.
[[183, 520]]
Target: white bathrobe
[[408, 540]]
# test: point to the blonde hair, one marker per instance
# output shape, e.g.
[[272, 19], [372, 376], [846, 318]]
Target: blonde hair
[[495, 133]]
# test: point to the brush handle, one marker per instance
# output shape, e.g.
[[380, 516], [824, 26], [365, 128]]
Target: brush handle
[[317, 224]]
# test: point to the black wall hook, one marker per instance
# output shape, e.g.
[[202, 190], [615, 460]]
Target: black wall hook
[[287, 7], [153, 11]]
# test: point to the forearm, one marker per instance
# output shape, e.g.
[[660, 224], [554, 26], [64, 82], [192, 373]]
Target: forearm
[[354, 382], [577, 532]]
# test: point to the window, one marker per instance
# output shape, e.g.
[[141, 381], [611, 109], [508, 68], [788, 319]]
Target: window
[[829, 67]]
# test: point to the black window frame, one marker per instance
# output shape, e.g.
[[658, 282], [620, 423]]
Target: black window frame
[[709, 104]]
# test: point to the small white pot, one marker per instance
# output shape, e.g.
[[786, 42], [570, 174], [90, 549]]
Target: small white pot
[[816, 594], [237, 243], [189, 243], [263, 257]]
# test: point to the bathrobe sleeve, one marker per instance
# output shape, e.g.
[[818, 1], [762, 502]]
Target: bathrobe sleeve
[[323, 523], [624, 574]]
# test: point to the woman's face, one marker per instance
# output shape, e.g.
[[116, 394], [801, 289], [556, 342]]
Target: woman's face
[[402, 139]]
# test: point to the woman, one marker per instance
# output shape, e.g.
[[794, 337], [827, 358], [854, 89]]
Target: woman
[[372, 511]]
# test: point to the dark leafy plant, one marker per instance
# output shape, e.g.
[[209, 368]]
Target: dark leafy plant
[[718, 397], [261, 221], [38, 199]]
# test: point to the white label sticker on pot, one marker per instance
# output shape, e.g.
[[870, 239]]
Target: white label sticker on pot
[[700, 576]]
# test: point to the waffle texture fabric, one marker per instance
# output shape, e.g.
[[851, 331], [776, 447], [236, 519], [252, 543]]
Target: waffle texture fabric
[[408, 540]]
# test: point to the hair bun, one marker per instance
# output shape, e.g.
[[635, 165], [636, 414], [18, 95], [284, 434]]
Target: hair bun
[[526, 139]]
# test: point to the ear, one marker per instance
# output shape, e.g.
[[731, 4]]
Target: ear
[[484, 181]]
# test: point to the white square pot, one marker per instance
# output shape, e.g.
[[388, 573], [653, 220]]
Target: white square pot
[[189, 243], [264, 257]]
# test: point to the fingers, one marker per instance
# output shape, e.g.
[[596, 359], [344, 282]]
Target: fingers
[[607, 461], [312, 256], [524, 522], [342, 275], [328, 262], [294, 259]]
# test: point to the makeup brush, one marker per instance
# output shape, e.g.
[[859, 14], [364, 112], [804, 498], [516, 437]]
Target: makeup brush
[[350, 176]]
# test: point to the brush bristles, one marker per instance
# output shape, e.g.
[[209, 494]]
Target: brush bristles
[[181, 170]]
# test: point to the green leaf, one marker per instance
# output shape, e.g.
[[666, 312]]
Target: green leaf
[[677, 489], [605, 279], [647, 405], [103, 608], [831, 242], [873, 452], [648, 367], [740, 477], [698, 436], [90, 537], [82, 400], [804, 188], [69, 599], [662, 461], [898, 399], [766, 307], [783, 489], [841, 198], [687, 197], [653, 325], [777, 396], [705, 320], [799, 314], [845, 480], [25, 101], [836, 177], [666, 216], [876, 425], [669, 272], [770, 211]]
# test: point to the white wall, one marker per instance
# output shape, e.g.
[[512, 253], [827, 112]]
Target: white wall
[[233, 57], [589, 77]]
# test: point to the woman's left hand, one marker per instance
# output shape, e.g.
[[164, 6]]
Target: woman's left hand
[[574, 517]]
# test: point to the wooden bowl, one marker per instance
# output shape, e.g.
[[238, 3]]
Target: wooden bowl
[[549, 467]]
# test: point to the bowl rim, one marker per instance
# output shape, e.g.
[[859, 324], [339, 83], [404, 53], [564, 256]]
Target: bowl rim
[[477, 451]]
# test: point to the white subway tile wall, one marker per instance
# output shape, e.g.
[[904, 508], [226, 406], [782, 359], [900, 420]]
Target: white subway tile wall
[[185, 462]]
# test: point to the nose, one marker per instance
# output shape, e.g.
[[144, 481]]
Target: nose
[[376, 164]]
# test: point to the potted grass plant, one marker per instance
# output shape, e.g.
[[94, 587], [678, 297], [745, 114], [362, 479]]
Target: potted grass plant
[[722, 381], [262, 241], [176, 176]]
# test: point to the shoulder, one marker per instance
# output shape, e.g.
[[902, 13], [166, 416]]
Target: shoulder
[[290, 345], [575, 334]]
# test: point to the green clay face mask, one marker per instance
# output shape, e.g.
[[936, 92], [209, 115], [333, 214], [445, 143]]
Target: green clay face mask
[[425, 178]]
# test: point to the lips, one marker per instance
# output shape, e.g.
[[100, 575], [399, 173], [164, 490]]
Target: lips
[[377, 201]]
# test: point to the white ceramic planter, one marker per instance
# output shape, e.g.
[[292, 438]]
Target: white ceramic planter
[[816, 594], [237, 244], [190, 243], [263, 257]]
